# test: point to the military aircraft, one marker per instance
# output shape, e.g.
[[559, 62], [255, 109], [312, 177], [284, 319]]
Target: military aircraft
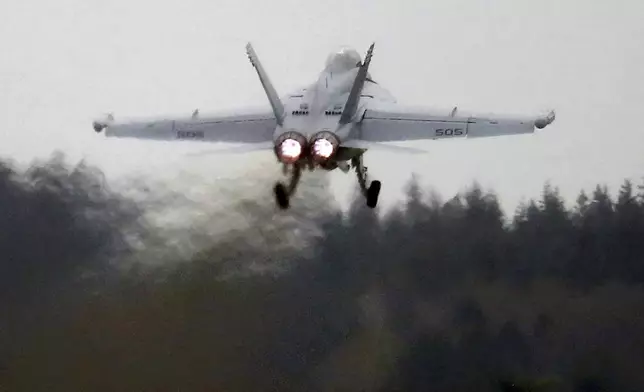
[[326, 125]]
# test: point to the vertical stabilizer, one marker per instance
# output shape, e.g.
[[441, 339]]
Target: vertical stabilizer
[[271, 94], [354, 96]]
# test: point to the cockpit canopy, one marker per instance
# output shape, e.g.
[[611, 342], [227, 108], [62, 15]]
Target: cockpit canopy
[[342, 60]]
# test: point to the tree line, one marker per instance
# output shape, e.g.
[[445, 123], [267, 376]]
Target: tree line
[[435, 294]]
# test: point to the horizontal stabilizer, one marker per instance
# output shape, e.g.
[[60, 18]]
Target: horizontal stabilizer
[[265, 146], [366, 145]]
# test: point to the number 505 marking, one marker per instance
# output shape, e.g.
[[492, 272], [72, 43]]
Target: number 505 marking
[[450, 132]]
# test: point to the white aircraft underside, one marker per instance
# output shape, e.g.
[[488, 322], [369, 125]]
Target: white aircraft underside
[[328, 125]]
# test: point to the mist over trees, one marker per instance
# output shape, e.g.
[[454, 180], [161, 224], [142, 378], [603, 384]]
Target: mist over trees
[[438, 295]]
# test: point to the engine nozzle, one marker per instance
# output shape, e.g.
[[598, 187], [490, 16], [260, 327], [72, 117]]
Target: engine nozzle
[[289, 147], [324, 145]]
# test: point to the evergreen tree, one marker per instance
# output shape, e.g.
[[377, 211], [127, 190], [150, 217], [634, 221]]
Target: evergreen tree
[[520, 214], [593, 261], [640, 193], [627, 239], [524, 263], [484, 229], [543, 236], [581, 208]]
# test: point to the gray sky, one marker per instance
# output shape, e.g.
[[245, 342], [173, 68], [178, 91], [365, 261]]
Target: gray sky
[[66, 62]]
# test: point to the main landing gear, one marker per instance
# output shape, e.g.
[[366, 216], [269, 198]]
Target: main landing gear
[[371, 192], [283, 192]]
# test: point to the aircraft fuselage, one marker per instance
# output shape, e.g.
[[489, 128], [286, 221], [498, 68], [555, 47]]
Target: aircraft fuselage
[[318, 107]]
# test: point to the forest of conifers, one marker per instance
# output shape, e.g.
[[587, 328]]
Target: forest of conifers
[[440, 295]]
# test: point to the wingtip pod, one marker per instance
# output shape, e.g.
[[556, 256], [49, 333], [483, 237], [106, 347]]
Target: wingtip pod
[[99, 125], [542, 122]]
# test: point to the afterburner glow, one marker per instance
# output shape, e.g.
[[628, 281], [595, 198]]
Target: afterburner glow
[[324, 145], [323, 148], [290, 146], [290, 149]]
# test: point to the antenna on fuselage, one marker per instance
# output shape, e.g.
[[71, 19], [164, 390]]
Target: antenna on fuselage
[[354, 96]]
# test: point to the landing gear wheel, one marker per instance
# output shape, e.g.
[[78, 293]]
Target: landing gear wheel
[[281, 196], [372, 194], [283, 192]]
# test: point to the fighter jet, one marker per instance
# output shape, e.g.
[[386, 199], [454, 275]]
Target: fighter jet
[[326, 125]]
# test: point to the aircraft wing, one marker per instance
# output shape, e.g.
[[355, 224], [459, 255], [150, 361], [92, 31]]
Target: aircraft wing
[[252, 126], [394, 122]]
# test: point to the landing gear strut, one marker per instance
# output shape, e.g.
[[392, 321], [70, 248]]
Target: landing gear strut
[[372, 192], [283, 192]]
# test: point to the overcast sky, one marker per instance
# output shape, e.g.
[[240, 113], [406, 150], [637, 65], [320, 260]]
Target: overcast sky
[[66, 62]]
